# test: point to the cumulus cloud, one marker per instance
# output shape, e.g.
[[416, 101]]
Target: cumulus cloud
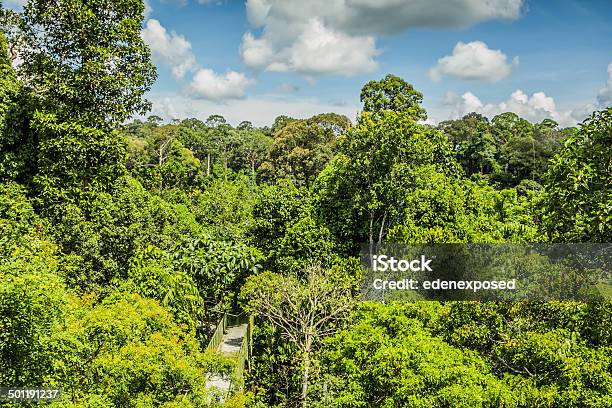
[[256, 52], [207, 84], [473, 61], [534, 108], [300, 35], [380, 17], [169, 48], [316, 50], [174, 51], [148, 9], [604, 97]]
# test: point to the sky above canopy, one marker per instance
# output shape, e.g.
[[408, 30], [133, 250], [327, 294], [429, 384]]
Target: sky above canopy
[[258, 59]]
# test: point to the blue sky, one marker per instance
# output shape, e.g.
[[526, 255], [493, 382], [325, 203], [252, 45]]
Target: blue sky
[[258, 59]]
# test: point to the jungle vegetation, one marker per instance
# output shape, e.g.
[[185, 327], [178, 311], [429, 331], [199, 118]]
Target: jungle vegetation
[[123, 240]]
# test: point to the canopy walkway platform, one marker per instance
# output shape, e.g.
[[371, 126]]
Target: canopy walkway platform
[[233, 339]]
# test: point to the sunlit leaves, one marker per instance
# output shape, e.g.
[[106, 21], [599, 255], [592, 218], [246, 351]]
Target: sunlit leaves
[[86, 61], [578, 204]]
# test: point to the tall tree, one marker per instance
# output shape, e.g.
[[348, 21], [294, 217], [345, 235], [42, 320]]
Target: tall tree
[[392, 93], [361, 194], [280, 122], [74, 160], [514, 136], [252, 149], [160, 161], [16, 151], [195, 135], [473, 143], [578, 184], [302, 148], [304, 312], [223, 139], [85, 59]]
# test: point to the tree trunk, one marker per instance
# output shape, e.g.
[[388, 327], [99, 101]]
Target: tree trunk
[[371, 238], [382, 229], [305, 379], [161, 163], [225, 165], [307, 350]]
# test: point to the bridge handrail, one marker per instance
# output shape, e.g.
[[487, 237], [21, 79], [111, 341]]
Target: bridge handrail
[[218, 335], [244, 356]]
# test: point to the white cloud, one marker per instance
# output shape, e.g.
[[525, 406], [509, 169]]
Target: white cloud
[[380, 17], [300, 35], [256, 52], [534, 108], [169, 49], [173, 50], [257, 11], [320, 50], [316, 50], [261, 111], [473, 61], [207, 84], [148, 9], [180, 3], [604, 97]]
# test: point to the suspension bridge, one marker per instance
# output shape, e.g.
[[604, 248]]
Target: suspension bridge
[[233, 338]]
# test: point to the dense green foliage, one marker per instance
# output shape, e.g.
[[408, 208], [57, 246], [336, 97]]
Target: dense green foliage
[[507, 150], [123, 243], [466, 354], [579, 181], [85, 60], [302, 148]]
